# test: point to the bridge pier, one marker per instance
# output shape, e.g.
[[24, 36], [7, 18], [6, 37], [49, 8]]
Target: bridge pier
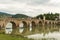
[[2, 29], [43, 20]]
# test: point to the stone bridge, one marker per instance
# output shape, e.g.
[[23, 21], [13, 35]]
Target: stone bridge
[[26, 22]]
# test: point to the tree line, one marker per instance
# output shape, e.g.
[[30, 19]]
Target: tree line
[[49, 16]]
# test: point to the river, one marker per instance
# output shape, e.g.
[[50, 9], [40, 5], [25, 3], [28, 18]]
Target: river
[[47, 32]]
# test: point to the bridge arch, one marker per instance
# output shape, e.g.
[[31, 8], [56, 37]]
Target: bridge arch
[[11, 26], [22, 26], [45, 23], [49, 22], [40, 23], [33, 23]]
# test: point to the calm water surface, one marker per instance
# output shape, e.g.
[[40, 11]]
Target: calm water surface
[[47, 32]]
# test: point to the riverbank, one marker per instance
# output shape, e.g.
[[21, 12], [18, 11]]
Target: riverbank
[[12, 37]]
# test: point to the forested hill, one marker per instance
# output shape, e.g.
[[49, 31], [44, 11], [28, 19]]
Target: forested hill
[[49, 16], [20, 16], [4, 15]]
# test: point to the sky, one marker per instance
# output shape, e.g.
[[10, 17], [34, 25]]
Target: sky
[[30, 7]]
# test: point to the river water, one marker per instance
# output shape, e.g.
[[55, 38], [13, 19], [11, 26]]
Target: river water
[[47, 32]]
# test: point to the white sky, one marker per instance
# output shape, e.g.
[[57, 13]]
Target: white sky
[[30, 7]]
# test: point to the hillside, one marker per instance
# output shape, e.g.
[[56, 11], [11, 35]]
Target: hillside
[[20, 16], [3, 15], [49, 16]]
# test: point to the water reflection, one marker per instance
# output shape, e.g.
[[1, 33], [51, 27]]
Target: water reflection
[[21, 27], [8, 28], [49, 32], [8, 31], [46, 32], [51, 36], [30, 27]]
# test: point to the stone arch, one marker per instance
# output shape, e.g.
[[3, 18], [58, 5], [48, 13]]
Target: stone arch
[[49, 22], [40, 23], [12, 22], [24, 23], [23, 27], [46, 23], [13, 26], [53, 23], [33, 23]]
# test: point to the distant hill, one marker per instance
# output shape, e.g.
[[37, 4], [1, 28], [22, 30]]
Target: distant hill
[[20, 16], [3, 15]]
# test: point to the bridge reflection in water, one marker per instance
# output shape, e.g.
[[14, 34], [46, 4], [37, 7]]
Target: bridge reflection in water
[[43, 31], [22, 28], [32, 29], [26, 26], [29, 26], [46, 32]]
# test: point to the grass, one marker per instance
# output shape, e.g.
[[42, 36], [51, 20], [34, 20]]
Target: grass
[[12, 37]]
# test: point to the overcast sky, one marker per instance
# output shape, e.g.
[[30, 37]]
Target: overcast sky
[[30, 7]]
